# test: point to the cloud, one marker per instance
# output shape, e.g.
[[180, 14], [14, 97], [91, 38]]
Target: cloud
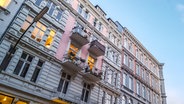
[[180, 8]]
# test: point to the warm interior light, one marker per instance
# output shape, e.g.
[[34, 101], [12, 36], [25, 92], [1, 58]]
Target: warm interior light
[[4, 3], [5, 98], [91, 62], [21, 102], [50, 39]]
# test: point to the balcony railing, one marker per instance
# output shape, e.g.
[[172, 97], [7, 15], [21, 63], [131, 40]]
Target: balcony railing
[[96, 48], [93, 75], [72, 63], [79, 37]]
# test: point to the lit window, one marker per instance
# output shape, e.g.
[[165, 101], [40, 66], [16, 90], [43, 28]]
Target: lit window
[[72, 51], [26, 23], [21, 102], [5, 99], [50, 38], [91, 62], [38, 31], [4, 3]]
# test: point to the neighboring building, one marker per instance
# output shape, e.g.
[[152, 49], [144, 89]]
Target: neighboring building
[[74, 54], [8, 10]]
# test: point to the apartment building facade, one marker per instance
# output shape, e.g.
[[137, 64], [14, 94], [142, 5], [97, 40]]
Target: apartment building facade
[[74, 55]]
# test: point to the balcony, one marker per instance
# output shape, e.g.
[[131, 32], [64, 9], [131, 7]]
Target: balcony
[[79, 37], [96, 48], [93, 75], [73, 63]]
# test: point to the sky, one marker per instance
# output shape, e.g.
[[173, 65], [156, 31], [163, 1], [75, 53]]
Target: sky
[[159, 26]]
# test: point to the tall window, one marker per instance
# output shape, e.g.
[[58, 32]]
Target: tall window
[[86, 14], [143, 92], [130, 83], [125, 42], [125, 80], [38, 31], [72, 52], [130, 63], [50, 38], [109, 76], [80, 8], [138, 88], [23, 65], [6, 60], [37, 70], [137, 69], [4, 3], [125, 59], [91, 62], [26, 23], [108, 99], [123, 100], [100, 28], [85, 92], [95, 22], [64, 82]]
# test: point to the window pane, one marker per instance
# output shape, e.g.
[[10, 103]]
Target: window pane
[[30, 58], [24, 71], [60, 85], [65, 87], [5, 99], [18, 67], [40, 63], [82, 97], [86, 97], [35, 75], [24, 55], [68, 77]]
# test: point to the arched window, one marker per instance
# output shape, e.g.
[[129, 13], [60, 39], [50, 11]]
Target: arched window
[[4, 3]]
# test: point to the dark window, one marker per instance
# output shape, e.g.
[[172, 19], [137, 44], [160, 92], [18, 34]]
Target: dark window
[[64, 82], [85, 92], [37, 71], [7, 58], [23, 65]]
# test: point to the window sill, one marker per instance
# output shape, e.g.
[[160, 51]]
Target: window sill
[[5, 10]]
